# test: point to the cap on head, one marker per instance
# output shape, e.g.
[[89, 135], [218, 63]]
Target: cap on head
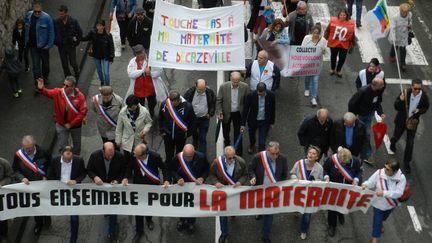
[[138, 49]]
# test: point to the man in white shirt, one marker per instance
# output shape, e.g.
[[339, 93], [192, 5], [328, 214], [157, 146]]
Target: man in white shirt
[[263, 70]]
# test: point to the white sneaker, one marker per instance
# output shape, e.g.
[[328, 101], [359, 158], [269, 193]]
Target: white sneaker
[[306, 93], [303, 236], [314, 102]]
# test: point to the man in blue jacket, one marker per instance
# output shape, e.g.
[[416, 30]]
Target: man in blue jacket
[[39, 38]]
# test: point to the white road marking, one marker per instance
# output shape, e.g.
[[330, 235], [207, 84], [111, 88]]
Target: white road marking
[[415, 55], [321, 13], [404, 81], [115, 32], [414, 218], [386, 139]]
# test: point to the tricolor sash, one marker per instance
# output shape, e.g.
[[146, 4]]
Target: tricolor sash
[[268, 169], [342, 170], [69, 102], [185, 166], [301, 164], [384, 187], [176, 116], [146, 171], [220, 162], [103, 112], [25, 158]]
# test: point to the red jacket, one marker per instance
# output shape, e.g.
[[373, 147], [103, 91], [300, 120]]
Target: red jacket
[[78, 99]]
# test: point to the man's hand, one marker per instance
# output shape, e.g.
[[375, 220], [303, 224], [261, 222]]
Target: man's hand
[[242, 129], [199, 181], [166, 184], [67, 125], [98, 181], [125, 182], [114, 182], [237, 184], [220, 116], [130, 15], [219, 185], [383, 116], [25, 181], [147, 71], [253, 181], [380, 194], [142, 135], [355, 182], [363, 187], [327, 179], [40, 83], [180, 182], [71, 182], [44, 178], [402, 97]]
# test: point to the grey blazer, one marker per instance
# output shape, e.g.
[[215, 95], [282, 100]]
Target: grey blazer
[[223, 101]]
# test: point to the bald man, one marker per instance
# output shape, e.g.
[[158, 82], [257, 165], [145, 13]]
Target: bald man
[[198, 170], [364, 103], [107, 165], [203, 101], [263, 70]]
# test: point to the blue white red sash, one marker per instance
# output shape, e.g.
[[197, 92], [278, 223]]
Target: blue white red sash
[[220, 162], [69, 102], [176, 116], [268, 169], [146, 171], [384, 187], [301, 165], [103, 112], [25, 158], [342, 170], [185, 166]]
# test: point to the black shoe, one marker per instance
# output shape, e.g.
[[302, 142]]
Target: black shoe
[[331, 231], [191, 228], [341, 219], [150, 225], [223, 238], [137, 237], [407, 167], [180, 225], [393, 147], [112, 238], [266, 240], [258, 217], [359, 25], [37, 229]]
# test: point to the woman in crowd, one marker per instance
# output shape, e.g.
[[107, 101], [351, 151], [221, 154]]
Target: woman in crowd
[[273, 39], [102, 51], [389, 184], [339, 41], [307, 169], [366, 75], [400, 27], [311, 82]]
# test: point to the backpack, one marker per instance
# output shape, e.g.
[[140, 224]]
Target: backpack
[[14, 67]]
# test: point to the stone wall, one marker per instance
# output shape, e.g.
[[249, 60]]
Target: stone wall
[[10, 11]]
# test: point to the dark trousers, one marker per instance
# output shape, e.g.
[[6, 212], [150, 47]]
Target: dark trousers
[[74, 226], [334, 53], [139, 227], [397, 134], [263, 128], [68, 55], [332, 218], [123, 25], [379, 217], [188, 221], [199, 135], [402, 53], [223, 220], [3, 228], [14, 84], [151, 102], [112, 224], [236, 121], [23, 56], [173, 146], [40, 61], [267, 225]]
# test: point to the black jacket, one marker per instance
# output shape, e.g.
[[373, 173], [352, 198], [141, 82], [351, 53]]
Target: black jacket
[[42, 160], [365, 101], [369, 77], [18, 38], [78, 171], [354, 167], [65, 33], [399, 105], [101, 44], [96, 167], [250, 109], [359, 140], [311, 132], [166, 123], [210, 95], [140, 32], [154, 162], [256, 169], [199, 166]]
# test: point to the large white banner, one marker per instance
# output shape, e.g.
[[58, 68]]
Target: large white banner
[[197, 39], [57, 198]]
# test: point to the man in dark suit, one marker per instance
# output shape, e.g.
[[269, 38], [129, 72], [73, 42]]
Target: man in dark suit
[[259, 113], [144, 169], [31, 163], [231, 170], [279, 169], [197, 171], [70, 169], [229, 105], [349, 132], [410, 104], [107, 166]]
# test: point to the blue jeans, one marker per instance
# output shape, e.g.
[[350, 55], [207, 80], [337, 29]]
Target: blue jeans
[[74, 226], [379, 217], [40, 61], [358, 9], [102, 67], [311, 84], [267, 225], [201, 126], [367, 120], [224, 225], [263, 128], [112, 224], [305, 221]]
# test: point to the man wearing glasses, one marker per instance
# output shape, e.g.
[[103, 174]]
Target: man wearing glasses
[[410, 104], [69, 111], [139, 30], [39, 38]]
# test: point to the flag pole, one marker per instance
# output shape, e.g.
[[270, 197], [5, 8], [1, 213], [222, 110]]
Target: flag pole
[[397, 60]]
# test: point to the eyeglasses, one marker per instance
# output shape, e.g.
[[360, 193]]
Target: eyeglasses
[[67, 85], [37, 11], [417, 89]]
